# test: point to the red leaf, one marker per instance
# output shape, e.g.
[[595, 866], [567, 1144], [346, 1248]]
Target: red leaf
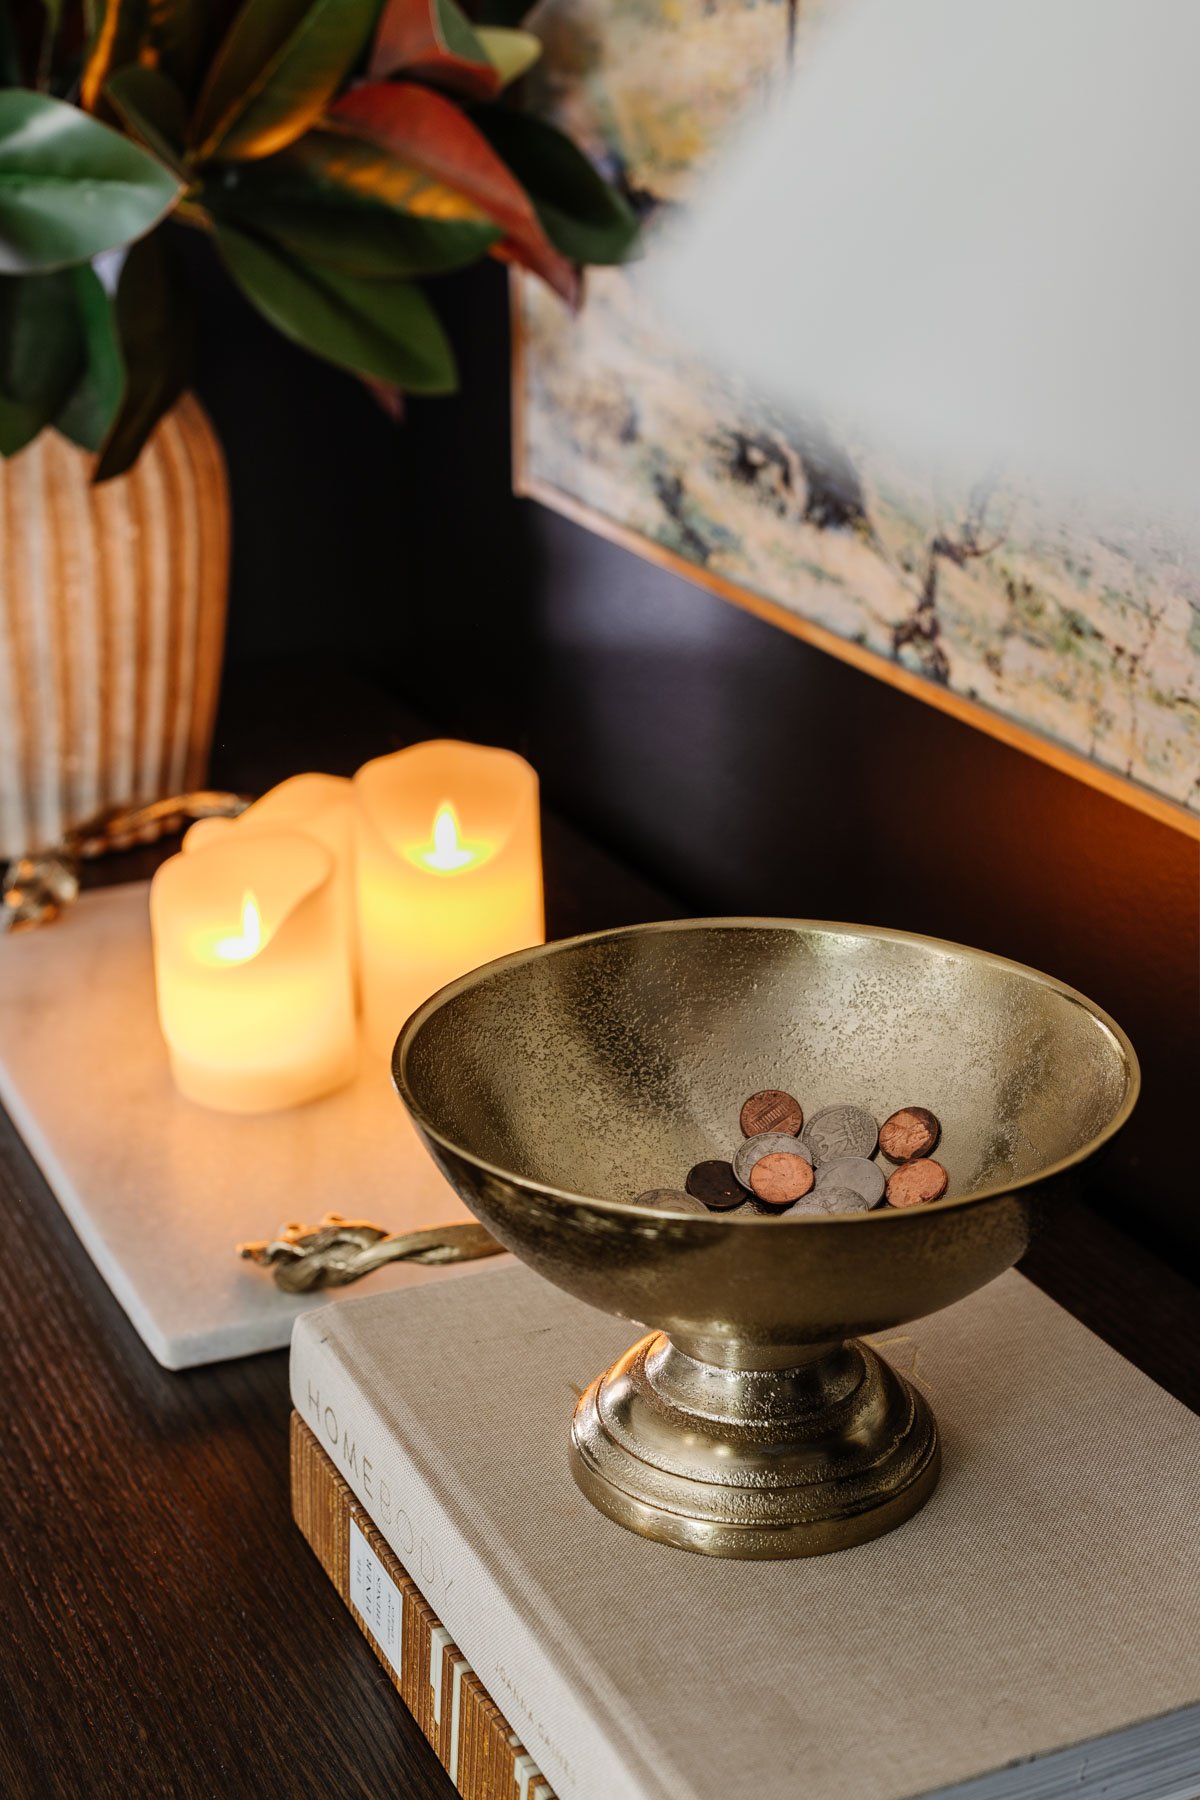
[[429, 133], [432, 39]]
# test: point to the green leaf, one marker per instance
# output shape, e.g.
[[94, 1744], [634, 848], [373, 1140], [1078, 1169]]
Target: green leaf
[[154, 328], [70, 187], [511, 53], [152, 109], [582, 216], [88, 412], [41, 353], [183, 35], [336, 200], [120, 37], [454, 29], [384, 329], [280, 64], [177, 37], [432, 40]]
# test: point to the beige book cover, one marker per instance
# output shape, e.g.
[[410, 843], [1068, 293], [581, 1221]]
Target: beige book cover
[[1048, 1594]]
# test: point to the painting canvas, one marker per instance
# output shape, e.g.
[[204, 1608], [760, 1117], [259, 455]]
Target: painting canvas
[[1079, 643]]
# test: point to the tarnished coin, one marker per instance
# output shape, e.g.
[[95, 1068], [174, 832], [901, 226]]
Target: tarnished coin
[[780, 1178], [715, 1183], [916, 1182], [841, 1131], [670, 1200], [766, 1143], [772, 1110], [858, 1173], [913, 1131]]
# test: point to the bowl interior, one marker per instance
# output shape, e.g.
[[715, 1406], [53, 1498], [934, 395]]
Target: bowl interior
[[607, 1065]]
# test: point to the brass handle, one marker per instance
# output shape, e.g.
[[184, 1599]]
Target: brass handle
[[339, 1251], [36, 888]]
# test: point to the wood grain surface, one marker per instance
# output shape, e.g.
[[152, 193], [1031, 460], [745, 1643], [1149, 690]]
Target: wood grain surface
[[164, 1629]]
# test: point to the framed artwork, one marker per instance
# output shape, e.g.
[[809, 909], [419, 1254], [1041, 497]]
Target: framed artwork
[[1077, 644]]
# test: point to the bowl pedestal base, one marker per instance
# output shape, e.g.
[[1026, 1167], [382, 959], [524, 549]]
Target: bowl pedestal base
[[824, 1447]]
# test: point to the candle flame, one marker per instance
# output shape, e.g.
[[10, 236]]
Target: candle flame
[[250, 940], [448, 851]]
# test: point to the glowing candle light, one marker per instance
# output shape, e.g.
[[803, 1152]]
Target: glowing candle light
[[319, 806], [249, 940], [449, 872], [446, 852], [254, 993]]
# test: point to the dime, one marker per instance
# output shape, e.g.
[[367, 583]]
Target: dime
[[913, 1131], [858, 1173], [715, 1183], [771, 1110], [781, 1178], [841, 1131], [766, 1143], [915, 1182], [670, 1200]]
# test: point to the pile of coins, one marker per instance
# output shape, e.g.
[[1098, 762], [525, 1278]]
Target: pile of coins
[[827, 1170]]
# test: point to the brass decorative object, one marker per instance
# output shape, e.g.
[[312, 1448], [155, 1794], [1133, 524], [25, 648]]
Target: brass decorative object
[[554, 1085], [339, 1251], [35, 889]]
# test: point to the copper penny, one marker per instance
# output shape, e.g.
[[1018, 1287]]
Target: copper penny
[[752, 1149], [779, 1180], [913, 1131], [772, 1110], [915, 1182], [715, 1183]]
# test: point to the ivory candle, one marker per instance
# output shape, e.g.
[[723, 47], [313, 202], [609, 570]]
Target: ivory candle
[[449, 872], [319, 806], [255, 998]]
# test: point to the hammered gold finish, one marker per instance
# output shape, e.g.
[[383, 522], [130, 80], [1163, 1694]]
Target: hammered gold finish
[[553, 1085]]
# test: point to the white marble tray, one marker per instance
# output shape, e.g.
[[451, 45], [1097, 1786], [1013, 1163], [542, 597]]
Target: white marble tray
[[160, 1190]]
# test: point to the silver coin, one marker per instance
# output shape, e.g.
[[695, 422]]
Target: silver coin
[[766, 1143], [821, 1202], [670, 1200], [835, 1197], [857, 1172], [841, 1131]]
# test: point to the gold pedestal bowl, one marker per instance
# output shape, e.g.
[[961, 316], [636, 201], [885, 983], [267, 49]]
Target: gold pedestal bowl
[[555, 1085]]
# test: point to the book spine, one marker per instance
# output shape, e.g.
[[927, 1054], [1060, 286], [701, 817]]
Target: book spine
[[473, 1741], [522, 1664]]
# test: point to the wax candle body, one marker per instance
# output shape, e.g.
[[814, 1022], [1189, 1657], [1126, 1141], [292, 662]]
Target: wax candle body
[[318, 806], [253, 984], [449, 872]]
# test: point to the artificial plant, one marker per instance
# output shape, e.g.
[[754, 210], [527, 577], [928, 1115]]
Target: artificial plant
[[337, 151]]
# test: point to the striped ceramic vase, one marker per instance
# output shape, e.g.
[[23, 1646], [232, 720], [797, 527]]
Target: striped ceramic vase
[[112, 623]]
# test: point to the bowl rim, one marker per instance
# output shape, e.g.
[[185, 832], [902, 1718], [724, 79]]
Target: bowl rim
[[412, 1026]]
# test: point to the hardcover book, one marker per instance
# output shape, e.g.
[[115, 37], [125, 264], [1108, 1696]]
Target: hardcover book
[[1031, 1633], [473, 1741]]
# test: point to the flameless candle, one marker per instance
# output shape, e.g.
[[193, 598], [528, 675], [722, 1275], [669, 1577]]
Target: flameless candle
[[449, 872], [255, 998], [320, 806]]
